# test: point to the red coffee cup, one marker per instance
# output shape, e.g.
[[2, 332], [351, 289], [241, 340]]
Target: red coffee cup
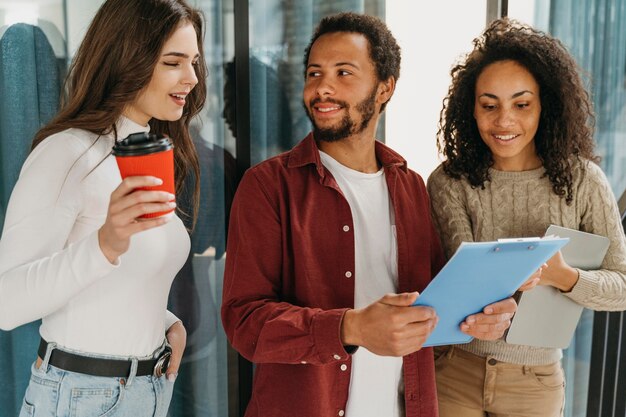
[[147, 154]]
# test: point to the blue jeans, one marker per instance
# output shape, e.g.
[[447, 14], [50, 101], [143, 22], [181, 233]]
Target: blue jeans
[[53, 392]]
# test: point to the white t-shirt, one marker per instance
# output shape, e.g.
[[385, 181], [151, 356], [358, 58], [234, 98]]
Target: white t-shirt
[[376, 381], [51, 265]]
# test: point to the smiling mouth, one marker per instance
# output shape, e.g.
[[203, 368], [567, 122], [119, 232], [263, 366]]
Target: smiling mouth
[[327, 109], [326, 106], [179, 99], [505, 138]]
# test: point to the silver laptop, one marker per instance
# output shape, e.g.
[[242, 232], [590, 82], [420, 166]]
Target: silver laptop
[[545, 317]]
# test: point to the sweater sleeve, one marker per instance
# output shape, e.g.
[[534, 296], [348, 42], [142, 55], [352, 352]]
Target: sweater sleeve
[[39, 271], [449, 211], [603, 289], [259, 324]]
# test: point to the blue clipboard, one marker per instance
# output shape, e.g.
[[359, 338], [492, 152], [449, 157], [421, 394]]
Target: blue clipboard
[[479, 274]]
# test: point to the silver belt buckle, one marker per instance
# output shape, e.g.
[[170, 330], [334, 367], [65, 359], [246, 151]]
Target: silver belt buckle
[[161, 366]]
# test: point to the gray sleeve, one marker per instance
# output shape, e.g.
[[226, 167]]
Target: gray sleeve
[[449, 211], [605, 288]]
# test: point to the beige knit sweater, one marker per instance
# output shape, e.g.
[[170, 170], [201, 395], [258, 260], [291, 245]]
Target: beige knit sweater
[[522, 204]]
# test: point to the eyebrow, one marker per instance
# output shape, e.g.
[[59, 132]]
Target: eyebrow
[[338, 64], [519, 93], [180, 54]]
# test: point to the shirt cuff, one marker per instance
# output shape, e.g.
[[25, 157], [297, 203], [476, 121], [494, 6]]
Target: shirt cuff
[[585, 286], [327, 335], [98, 251]]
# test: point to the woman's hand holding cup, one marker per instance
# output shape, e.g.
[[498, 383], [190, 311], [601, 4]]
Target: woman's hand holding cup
[[127, 204]]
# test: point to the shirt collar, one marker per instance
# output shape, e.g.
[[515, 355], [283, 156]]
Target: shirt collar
[[125, 127], [307, 152]]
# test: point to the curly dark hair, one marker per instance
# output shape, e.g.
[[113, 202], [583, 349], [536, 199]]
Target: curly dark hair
[[383, 47], [566, 122]]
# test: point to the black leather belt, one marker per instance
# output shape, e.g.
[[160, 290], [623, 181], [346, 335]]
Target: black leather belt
[[104, 367]]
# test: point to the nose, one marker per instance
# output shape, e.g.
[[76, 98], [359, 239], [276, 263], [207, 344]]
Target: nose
[[324, 87], [190, 77], [504, 118]]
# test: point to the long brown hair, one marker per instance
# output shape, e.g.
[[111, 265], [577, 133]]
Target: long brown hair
[[566, 122], [115, 61]]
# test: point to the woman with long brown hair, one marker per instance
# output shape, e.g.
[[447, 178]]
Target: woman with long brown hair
[[516, 131], [74, 251]]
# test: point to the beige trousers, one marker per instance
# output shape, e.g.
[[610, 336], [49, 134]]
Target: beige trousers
[[472, 386]]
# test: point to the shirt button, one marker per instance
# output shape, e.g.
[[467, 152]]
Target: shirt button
[[341, 413], [492, 361], [303, 362], [346, 228], [348, 274], [337, 357], [343, 367]]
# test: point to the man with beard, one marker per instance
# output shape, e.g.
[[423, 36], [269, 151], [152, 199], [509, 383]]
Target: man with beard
[[329, 244]]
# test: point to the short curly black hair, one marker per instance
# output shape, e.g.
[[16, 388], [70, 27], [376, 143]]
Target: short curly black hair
[[566, 121], [383, 47]]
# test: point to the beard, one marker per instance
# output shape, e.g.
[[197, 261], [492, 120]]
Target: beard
[[347, 126]]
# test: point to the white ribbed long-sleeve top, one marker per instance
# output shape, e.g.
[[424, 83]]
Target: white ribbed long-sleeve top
[[51, 265]]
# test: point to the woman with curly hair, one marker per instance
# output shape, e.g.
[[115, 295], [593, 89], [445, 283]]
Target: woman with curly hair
[[516, 133]]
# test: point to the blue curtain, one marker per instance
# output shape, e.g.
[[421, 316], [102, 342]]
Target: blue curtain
[[594, 31], [29, 97]]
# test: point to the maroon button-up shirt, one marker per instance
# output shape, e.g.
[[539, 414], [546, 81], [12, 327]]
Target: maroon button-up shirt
[[290, 243]]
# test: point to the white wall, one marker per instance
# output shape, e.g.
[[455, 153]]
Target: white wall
[[432, 36], [79, 16]]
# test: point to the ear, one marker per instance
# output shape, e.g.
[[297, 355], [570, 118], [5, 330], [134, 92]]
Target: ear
[[385, 90]]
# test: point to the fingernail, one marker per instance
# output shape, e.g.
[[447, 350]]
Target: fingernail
[[172, 377], [488, 310], [157, 181], [464, 326], [171, 204], [470, 320]]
